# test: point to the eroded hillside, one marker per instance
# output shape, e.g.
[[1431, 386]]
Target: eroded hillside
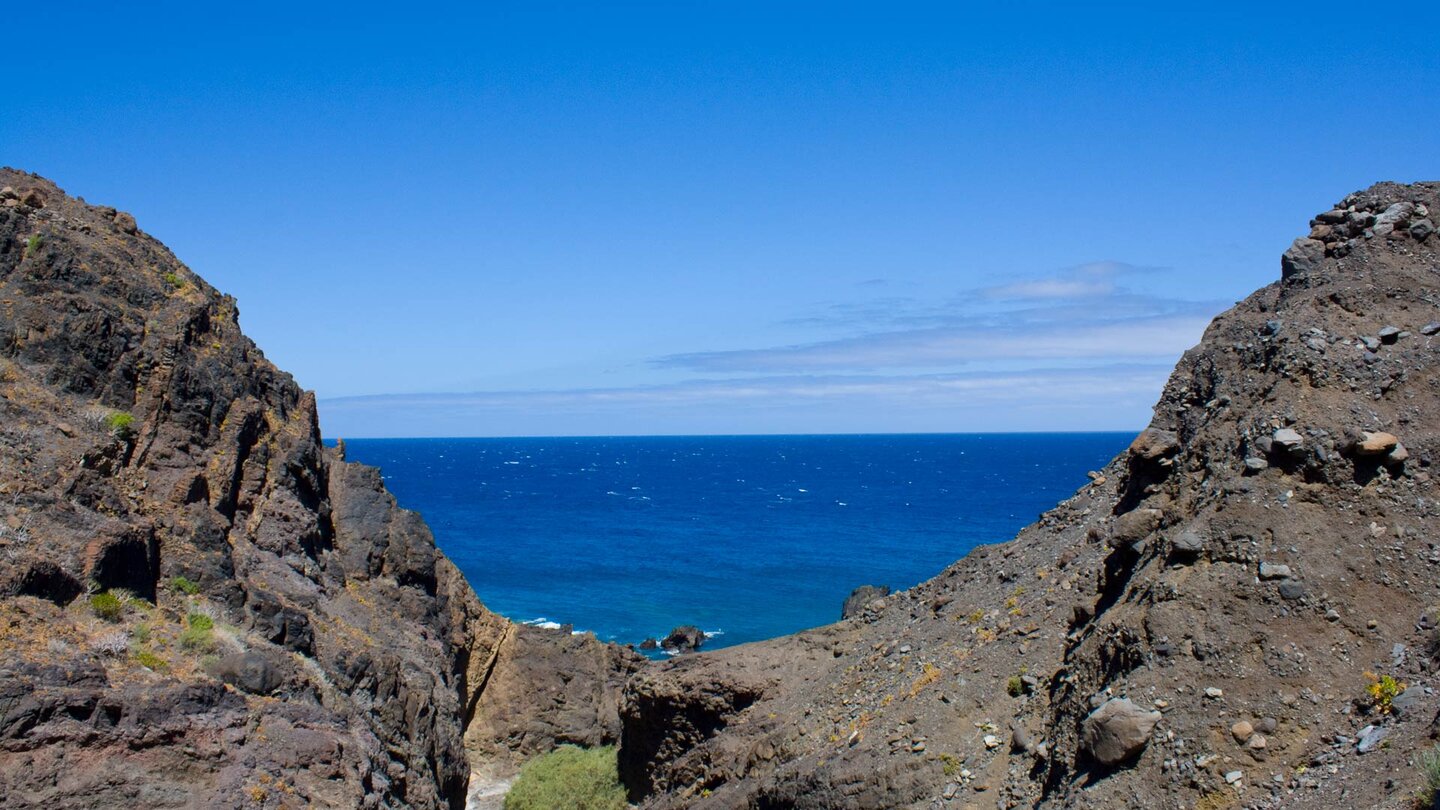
[[1198, 627], [201, 605]]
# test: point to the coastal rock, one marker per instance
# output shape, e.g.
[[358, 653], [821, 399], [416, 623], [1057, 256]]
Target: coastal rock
[[685, 638], [1117, 731]]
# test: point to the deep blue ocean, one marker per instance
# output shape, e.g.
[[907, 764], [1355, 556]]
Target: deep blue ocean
[[747, 537]]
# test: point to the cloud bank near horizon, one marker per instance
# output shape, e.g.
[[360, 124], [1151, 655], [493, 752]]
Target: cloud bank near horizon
[[1077, 349]]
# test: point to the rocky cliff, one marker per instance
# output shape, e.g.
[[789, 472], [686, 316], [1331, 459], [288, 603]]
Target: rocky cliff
[[200, 604], [1239, 611]]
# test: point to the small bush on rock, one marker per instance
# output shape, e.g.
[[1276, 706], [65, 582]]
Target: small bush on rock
[[1382, 689], [570, 777], [121, 425], [107, 606], [184, 586]]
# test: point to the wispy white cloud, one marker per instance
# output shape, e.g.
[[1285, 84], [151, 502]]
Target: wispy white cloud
[[1116, 395], [1079, 313]]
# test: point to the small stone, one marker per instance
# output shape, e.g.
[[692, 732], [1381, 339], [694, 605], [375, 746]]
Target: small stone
[[1234, 776], [1214, 692], [1255, 464], [1397, 455], [1274, 571], [1288, 439], [950, 791], [1271, 327], [1370, 343], [1188, 543], [1242, 731], [1332, 615], [1430, 328], [1370, 738], [1257, 743], [1375, 444], [1267, 725], [917, 746], [904, 648], [1371, 624], [125, 223], [1421, 228], [9, 193], [1389, 334], [1408, 702], [991, 741], [32, 199], [1292, 590]]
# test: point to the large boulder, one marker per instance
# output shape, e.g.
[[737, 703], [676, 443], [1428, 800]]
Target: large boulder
[[1117, 731]]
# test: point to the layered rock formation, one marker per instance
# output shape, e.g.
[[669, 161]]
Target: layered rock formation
[[1211, 622], [201, 605]]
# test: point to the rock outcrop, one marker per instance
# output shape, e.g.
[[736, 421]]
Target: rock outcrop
[[1264, 552], [200, 604]]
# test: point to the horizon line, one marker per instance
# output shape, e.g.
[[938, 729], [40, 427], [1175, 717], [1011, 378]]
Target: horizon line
[[325, 438]]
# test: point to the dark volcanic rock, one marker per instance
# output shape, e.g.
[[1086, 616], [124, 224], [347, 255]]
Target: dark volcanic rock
[[685, 638], [281, 634]]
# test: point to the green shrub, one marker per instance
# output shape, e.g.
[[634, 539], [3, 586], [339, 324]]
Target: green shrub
[[174, 280], [198, 633], [107, 606], [121, 424], [1014, 687], [34, 243], [150, 661], [184, 586], [569, 777], [1429, 762]]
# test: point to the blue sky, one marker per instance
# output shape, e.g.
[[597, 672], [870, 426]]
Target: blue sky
[[547, 219]]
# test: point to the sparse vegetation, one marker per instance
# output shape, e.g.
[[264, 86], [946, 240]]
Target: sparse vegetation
[[107, 606], [1382, 689], [34, 243], [950, 764], [174, 280], [570, 777], [184, 586], [150, 661], [1429, 764], [121, 425], [929, 673], [199, 632], [112, 643], [1014, 687]]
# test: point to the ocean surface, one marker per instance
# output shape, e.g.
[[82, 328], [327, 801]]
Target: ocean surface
[[747, 537]]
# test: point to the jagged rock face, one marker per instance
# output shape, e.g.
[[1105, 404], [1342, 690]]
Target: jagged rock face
[[149, 449], [1271, 446]]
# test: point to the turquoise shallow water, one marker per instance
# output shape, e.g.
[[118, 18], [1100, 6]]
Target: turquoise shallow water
[[748, 537]]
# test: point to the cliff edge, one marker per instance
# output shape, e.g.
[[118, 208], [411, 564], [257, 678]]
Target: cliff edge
[[200, 604]]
